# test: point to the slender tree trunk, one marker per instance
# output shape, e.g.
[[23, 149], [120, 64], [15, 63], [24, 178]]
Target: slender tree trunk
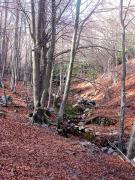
[[25, 69], [131, 142], [4, 42], [1, 15], [50, 90], [70, 68], [61, 79], [16, 52], [123, 86]]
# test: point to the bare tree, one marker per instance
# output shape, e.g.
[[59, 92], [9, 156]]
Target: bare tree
[[50, 54], [124, 24], [4, 42], [70, 68], [15, 58]]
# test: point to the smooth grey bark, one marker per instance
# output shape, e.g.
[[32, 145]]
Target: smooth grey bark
[[36, 53], [51, 54], [44, 40], [61, 78], [16, 52], [42, 65], [131, 142], [4, 41], [123, 86], [25, 69], [50, 89], [70, 68]]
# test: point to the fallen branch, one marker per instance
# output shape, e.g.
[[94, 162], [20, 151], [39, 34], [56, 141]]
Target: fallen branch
[[122, 155]]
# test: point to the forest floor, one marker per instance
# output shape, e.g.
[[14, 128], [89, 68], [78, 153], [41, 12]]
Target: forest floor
[[30, 151]]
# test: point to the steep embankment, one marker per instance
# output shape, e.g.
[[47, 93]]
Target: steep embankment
[[30, 151], [107, 96]]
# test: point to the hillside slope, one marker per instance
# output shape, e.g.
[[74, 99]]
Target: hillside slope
[[107, 96], [30, 151]]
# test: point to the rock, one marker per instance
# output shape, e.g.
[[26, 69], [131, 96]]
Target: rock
[[87, 130], [4, 99], [90, 146], [78, 107], [115, 154], [102, 121], [104, 149], [110, 151], [87, 110], [89, 135], [87, 102], [81, 124], [86, 144], [83, 116], [81, 128]]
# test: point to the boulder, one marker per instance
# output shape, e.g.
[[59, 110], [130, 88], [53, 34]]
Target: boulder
[[4, 100], [87, 102], [102, 121]]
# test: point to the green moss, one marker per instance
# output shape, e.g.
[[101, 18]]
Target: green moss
[[90, 136], [70, 112]]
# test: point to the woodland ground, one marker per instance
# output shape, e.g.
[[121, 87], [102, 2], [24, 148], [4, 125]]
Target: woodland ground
[[30, 151]]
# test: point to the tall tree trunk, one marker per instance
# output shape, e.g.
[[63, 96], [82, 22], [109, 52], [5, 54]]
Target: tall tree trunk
[[123, 86], [50, 56], [70, 68], [16, 52], [4, 42], [35, 58]]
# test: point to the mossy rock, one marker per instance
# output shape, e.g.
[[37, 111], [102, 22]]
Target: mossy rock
[[102, 121], [89, 135]]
